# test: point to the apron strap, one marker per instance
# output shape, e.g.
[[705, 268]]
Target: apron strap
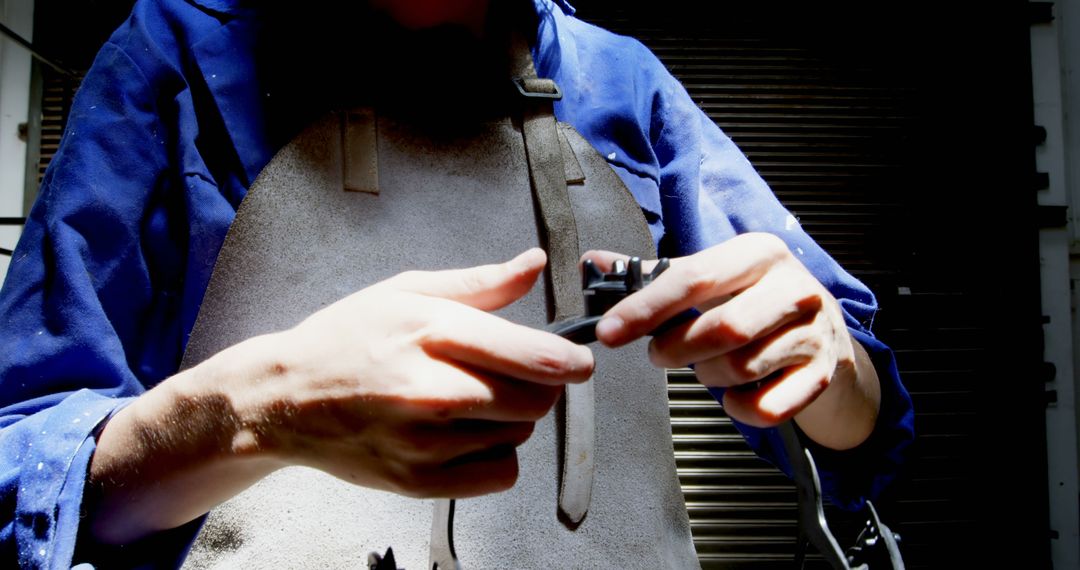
[[551, 165], [548, 172]]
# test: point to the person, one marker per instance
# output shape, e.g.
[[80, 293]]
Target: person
[[105, 443]]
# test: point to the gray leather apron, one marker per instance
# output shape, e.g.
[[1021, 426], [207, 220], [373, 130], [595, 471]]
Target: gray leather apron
[[432, 197]]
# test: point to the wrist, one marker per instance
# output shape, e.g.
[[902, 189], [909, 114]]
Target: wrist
[[175, 452], [236, 394], [844, 415]]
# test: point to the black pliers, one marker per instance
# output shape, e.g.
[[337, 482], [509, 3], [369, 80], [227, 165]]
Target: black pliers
[[603, 291]]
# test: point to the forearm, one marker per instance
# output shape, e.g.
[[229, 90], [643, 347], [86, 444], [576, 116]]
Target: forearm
[[176, 452], [844, 415]]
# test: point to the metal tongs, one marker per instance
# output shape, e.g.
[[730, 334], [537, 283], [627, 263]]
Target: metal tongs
[[876, 547]]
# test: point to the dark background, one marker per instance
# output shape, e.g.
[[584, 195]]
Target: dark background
[[901, 136]]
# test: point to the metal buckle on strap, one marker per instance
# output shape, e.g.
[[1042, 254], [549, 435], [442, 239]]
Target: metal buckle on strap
[[537, 88]]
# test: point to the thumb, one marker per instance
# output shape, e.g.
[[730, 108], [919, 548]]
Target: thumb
[[485, 287]]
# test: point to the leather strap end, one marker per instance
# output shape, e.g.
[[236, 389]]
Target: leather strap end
[[360, 152], [579, 455]]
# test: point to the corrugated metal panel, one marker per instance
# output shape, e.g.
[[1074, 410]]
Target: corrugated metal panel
[[741, 509]]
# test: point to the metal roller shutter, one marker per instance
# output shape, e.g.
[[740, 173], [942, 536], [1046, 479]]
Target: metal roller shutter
[[833, 130]]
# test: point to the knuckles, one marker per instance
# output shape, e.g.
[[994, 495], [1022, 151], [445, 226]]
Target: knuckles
[[744, 369], [811, 299], [727, 333], [434, 332], [731, 334]]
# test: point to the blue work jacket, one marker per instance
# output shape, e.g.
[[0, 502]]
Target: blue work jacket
[[172, 124]]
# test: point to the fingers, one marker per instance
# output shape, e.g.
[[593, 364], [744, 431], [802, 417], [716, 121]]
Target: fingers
[[455, 392], [490, 471], [485, 287], [792, 364], [485, 341], [691, 281], [513, 401], [459, 459], [764, 318], [793, 346], [437, 443], [779, 399], [779, 298]]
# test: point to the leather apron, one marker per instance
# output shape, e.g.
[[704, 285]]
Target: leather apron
[[434, 196]]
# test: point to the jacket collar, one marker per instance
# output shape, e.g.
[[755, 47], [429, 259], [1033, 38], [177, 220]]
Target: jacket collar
[[235, 86]]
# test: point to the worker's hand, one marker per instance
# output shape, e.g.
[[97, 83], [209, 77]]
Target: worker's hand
[[408, 385], [411, 386], [764, 318]]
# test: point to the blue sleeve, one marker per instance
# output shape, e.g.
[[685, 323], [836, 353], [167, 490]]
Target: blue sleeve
[[697, 189], [67, 307], [89, 310], [709, 192]]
